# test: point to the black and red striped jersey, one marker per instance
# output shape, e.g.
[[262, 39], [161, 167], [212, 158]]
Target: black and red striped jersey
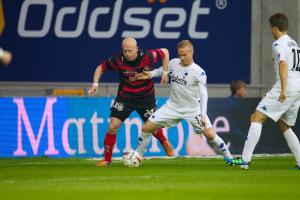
[[136, 91]]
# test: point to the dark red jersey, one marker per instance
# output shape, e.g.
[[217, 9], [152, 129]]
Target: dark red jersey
[[136, 91]]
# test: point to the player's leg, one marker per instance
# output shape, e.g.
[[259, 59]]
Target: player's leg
[[291, 139], [268, 107], [287, 120], [210, 134], [163, 117], [217, 142], [110, 141], [145, 112], [119, 112], [257, 119], [148, 128]]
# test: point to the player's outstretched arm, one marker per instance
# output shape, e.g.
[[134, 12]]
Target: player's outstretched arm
[[97, 75], [148, 75], [165, 62], [203, 102], [142, 76]]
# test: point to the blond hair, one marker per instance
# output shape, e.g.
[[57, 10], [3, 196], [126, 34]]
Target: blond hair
[[185, 43]]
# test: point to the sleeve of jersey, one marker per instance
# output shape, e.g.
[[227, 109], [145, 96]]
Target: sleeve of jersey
[[157, 54], [279, 53], [110, 64], [203, 92], [157, 72], [203, 98]]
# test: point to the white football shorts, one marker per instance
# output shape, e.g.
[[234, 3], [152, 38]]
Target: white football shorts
[[168, 117], [286, 111]]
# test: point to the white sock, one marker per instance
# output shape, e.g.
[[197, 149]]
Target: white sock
[[144, 141], [293, 144], [252, 140], [220, 146]]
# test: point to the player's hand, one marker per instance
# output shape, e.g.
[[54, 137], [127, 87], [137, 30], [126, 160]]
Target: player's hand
[[6, 59], [282, 97], [142, 76], [164, 78], [203, 121], [93, 90]]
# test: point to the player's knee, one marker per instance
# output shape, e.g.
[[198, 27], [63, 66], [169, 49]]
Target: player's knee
[[283, 126], [255, 118], [252, 117], [147, 128], [209, 133], [112, 129]]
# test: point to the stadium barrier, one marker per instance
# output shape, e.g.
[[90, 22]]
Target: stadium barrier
[[76, 126], [68, 92]]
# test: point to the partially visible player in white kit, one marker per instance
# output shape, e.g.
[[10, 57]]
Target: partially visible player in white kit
[[188, 100], [282, 102]]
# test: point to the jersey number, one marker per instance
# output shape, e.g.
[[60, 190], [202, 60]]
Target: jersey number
[[296, 59]]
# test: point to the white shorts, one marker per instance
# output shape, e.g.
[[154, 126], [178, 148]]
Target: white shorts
[[286, 111], [168, 117]]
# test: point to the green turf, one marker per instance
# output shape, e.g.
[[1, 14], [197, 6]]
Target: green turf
[[180, 178]]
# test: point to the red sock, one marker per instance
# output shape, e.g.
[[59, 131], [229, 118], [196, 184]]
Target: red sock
[[109, 143], [160, 135]]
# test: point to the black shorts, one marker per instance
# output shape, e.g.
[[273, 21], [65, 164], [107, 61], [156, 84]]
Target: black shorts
[[121, 109]]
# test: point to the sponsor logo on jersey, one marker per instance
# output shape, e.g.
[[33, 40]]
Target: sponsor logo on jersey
[[129, 73], [118, 106], [177, 79]]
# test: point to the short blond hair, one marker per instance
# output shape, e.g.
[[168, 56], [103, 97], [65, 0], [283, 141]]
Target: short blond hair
[[185, 43]]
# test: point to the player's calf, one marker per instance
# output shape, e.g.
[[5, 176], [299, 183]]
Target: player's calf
[[168, 148]]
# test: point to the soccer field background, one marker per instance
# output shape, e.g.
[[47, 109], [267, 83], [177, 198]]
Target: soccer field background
[[178, 178]]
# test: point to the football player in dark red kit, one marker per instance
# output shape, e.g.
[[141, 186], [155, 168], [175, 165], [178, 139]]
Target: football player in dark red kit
[[132, 94]]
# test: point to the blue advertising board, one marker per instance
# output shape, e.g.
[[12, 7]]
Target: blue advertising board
[[76, 127], [63, 41]]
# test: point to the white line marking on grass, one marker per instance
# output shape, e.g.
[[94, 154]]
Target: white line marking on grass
[[202, 157], [118, 159], [92, 178]]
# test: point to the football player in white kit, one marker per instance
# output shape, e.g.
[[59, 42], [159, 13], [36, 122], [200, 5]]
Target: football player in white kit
[[282, 102], [188, 100]]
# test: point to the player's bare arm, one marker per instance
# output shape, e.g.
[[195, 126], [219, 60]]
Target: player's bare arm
[[142, 76], [203, 121], [165, 62], [283, 73], [97, 75]]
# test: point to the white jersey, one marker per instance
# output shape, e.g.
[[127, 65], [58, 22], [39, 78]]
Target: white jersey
[[188, 87], [286, 49]]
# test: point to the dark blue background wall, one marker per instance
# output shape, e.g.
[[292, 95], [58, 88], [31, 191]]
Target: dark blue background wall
[[52, 54]]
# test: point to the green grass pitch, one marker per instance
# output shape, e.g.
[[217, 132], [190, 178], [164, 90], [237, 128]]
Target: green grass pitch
[[168, 179]]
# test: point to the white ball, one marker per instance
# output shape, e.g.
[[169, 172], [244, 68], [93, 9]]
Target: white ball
[[132, 159]]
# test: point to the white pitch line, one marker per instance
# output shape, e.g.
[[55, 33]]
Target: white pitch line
[[94, 178]]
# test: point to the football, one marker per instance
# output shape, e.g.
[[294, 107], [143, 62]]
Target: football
[[132, 159]]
